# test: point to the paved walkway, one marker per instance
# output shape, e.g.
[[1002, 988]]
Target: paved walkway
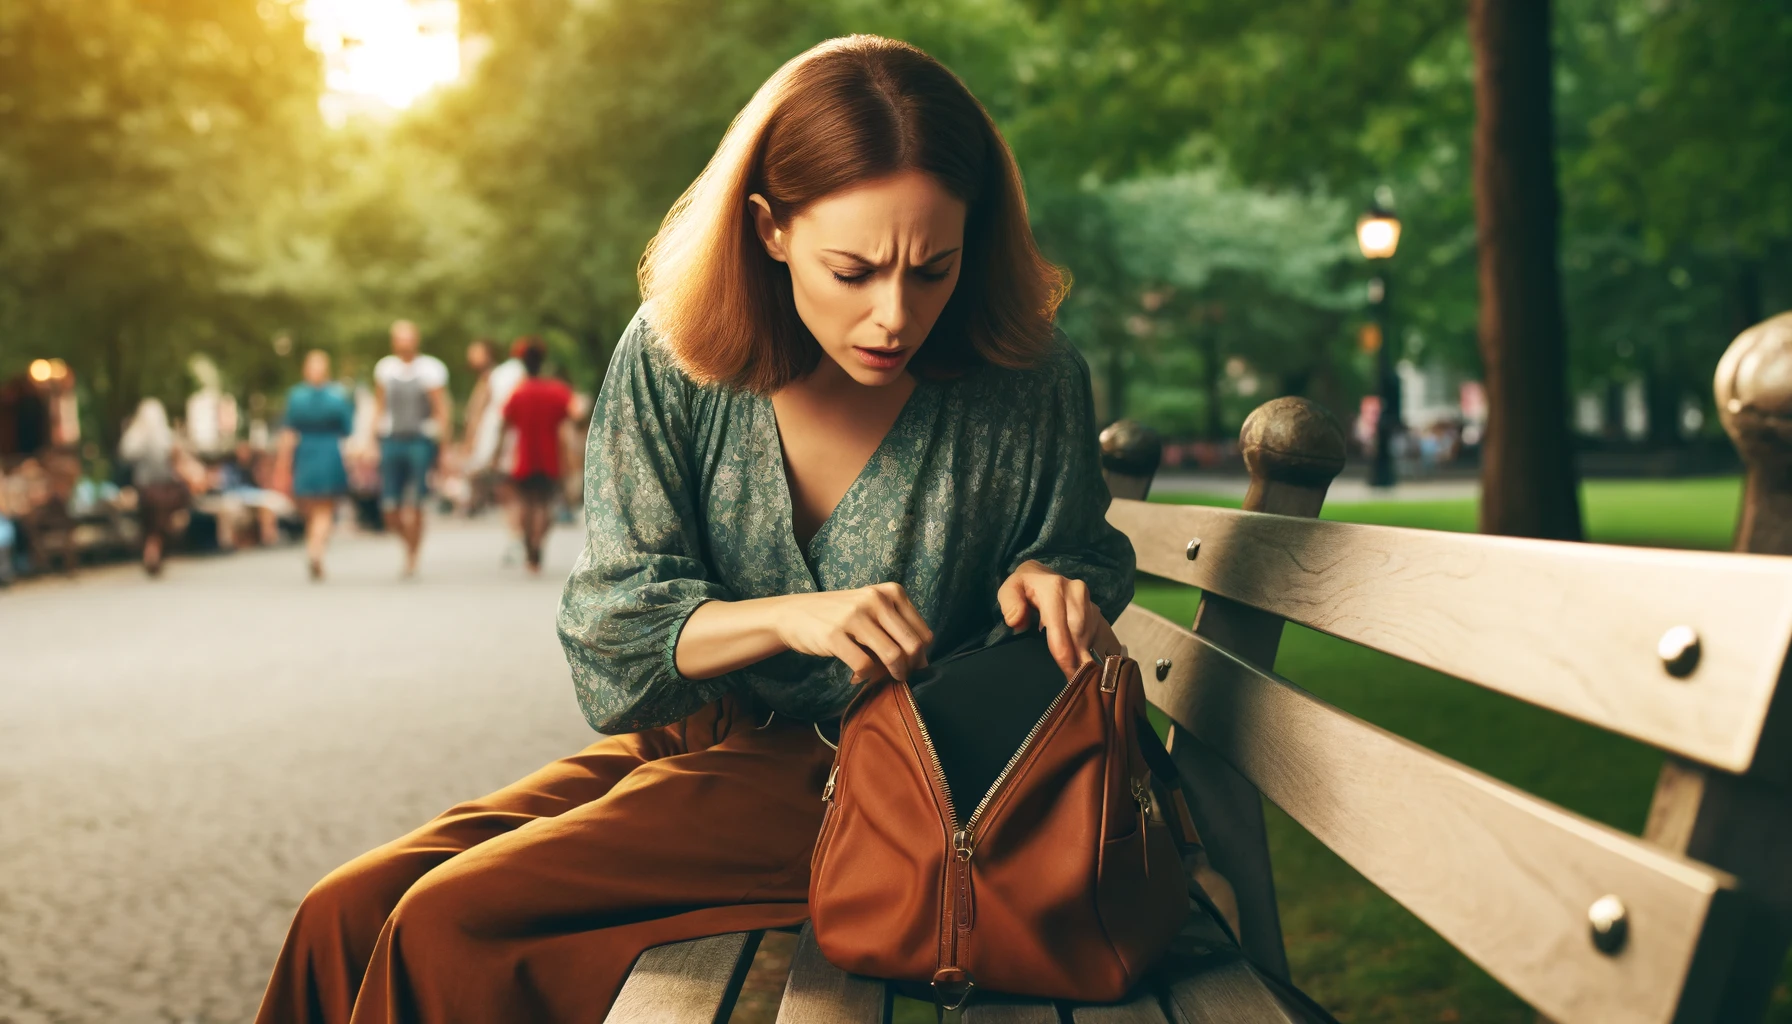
[[180, 760]]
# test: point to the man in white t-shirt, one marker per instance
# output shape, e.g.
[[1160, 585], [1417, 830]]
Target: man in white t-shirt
[[411, 413]]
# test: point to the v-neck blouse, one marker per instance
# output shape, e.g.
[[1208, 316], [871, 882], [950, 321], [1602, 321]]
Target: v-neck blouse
[[686, 501]]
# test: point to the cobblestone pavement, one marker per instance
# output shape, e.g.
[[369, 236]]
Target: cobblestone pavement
[[180, 760]]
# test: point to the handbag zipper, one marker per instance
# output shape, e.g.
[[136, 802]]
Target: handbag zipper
[[964, 839]]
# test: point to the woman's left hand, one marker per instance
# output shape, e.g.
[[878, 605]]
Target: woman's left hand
[[1072, 623]]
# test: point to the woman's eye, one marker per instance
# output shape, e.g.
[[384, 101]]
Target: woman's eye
[[859, 278], [937, 275]]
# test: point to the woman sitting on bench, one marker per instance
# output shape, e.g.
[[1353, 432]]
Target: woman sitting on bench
[[842, 432]]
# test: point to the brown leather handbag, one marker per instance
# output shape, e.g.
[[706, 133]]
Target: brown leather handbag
[[1056, 881]]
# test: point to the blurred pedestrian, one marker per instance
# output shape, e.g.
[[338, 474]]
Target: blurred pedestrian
[[319, 415], [535, 413], [243, 479], [481, 357], [494, 450], [9, 536], [411, 406], [150, 449]]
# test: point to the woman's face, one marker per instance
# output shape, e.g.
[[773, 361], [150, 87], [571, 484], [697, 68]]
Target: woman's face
[[317, 368], [871, 268]]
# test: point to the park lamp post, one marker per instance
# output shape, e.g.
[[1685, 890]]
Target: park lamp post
[[1378, 235]]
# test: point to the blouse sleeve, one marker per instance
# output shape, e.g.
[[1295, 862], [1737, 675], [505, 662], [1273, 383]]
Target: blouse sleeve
[[1063, 523], [642, 572]]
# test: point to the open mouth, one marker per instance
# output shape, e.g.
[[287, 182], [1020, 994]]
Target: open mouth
[[879, 358]]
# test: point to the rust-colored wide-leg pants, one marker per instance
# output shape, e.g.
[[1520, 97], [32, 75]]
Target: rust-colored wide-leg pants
[[531, 904]]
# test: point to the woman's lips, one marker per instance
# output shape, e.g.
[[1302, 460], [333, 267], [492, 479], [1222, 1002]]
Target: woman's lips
[[879, 358]]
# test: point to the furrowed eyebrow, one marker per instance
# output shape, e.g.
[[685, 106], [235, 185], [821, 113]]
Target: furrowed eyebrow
[[935, 258]]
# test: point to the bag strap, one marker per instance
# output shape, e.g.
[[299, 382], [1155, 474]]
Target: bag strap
[[1179, 818], [1162, 765]]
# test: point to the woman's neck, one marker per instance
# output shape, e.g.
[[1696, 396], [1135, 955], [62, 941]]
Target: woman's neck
[[829, 382]]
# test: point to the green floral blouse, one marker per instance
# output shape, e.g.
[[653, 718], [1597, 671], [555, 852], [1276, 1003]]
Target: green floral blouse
[[686, 501]]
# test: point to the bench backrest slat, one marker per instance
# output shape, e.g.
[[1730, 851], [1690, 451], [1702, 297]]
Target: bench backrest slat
[[1576, 628], [1506, 877]]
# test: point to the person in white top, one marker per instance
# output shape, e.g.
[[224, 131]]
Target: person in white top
[[493, 449], [411, 413], [489, 449]]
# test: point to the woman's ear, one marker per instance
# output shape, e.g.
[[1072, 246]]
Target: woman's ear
[[770, 234]]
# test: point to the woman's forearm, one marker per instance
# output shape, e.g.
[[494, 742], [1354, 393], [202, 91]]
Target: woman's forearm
[[721, 636]]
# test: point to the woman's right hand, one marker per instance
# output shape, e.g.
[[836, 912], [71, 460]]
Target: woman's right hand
[[875, 630]]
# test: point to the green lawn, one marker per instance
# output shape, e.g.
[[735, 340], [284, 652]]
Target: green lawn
[[1353, 948]]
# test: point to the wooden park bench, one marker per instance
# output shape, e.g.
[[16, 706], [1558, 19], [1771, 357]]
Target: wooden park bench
[[1686, 651]]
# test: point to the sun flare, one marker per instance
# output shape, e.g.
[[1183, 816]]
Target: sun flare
[[383, 52]]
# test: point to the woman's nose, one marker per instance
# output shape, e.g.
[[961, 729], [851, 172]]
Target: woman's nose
[[892, 309]]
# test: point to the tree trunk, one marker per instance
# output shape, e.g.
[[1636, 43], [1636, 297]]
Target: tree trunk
[[1210, 362], [115, 397], [1614, 412], [1661, 400], [1324, 386], [1746, 306], [1116, 374], [1528, 476]]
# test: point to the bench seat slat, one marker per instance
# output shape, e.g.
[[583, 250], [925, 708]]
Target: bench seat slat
[[820, 993], [1224, 993], [1572, 627], [692, 982], [1141, 1009], [1505, 877], [986, 1010]]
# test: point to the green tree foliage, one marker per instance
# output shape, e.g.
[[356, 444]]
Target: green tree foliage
[[1679, 219], [141, 144], [167, 188], [581, 126], [1203, 298], [1673, 120]]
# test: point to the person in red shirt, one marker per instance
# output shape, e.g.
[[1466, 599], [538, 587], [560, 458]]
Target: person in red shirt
[[536, 411]]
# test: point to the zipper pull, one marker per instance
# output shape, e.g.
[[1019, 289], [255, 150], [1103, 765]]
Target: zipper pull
[[1141, 795], [961, 845], [827, 791]]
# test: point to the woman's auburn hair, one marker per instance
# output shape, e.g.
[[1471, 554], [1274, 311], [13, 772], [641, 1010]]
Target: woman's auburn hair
[[845, 112]]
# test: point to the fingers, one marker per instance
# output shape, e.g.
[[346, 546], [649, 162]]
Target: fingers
[[1047, 596], [1013, 600], [1072, 623], [905, 625], [1079, 617], [1105, 643], [882, 635], [871, 635], [864, 667]]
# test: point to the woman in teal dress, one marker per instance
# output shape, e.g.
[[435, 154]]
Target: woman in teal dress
[[841, 435], [318, 416]]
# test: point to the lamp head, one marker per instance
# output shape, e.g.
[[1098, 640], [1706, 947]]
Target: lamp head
[[1378, 232]]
